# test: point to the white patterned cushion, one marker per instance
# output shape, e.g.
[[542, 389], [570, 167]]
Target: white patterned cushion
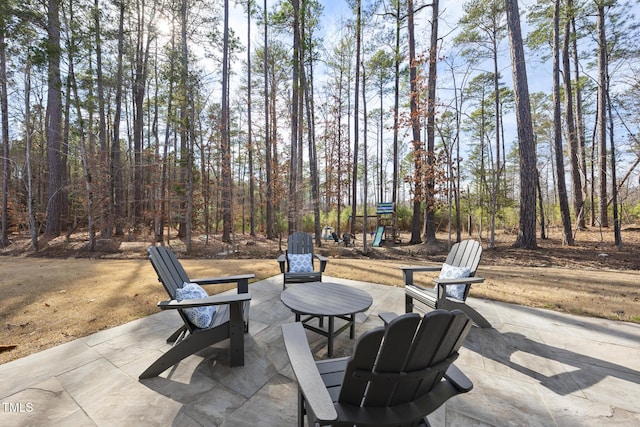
[[199, 316], [451, 272], [300, 263]]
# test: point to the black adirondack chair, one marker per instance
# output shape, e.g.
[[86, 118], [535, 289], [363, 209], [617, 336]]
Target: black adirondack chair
[[464, 254], [229, 321], [397, 374], [301, 244]]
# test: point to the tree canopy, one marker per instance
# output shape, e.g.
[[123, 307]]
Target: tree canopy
[[209, 117]]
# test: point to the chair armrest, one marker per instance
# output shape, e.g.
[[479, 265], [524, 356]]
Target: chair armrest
[[420, 267], [241, 281], [461, 281], [387, 317], [323, 262], [223, 279], [443, 283], [408, 270], [203, 302], [458, 378], [304, 367], [282, 259]]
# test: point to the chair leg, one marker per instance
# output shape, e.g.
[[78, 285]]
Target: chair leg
[[408, 304], [236, 336], [188, 346], [194, 342], [245, 316], [177, 335], [301, 409], [477, 318]]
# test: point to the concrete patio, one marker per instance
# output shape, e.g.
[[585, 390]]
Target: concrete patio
[[533, 368]]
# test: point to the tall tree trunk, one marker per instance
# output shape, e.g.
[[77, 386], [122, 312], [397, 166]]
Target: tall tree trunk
[[4, 111], [116, 162], [356, 128], [205, 161], [138, 123], [430, 220], [33, 224], [158, 223], [105, 179], [365, 161], [614, 188], [602, 116], [543, 232], [483, 174], [55, 187], [382, 184], [269, 216], [307, 84], [84, 157], [592, 174], [164, 200], [183, 107], [526, 141], [396, 103], [300, 116], [339, 174], [186, 133], [225, 149], [572, 135], [557, 130], [497, 168], [294, 185], [273, 146], [252, 181], [141, 62], [458, 112], [582, 152], [418, 151], [307, 91]]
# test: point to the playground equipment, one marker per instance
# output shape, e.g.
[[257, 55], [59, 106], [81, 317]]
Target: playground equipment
[[387, 224], [377, 238]]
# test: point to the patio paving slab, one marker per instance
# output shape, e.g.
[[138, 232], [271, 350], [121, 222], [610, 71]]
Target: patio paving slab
[[533, 368]]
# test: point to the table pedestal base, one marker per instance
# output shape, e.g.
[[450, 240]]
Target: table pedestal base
[[330, 332]]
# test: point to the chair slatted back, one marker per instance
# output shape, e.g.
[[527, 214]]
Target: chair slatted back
[[404, 361], [300, 243], [170, 271], [465, 254]]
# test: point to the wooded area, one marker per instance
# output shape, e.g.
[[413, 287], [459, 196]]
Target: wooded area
[[122, 117]]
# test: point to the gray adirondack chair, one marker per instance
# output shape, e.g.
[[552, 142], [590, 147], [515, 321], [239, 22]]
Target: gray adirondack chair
[[466, 253], [229, 321], [300, 243], [397, 374]]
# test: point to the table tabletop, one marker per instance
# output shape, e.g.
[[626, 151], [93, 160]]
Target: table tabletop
[[325, 299]]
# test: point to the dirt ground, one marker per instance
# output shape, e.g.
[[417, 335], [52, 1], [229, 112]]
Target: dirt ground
[[64, 292]]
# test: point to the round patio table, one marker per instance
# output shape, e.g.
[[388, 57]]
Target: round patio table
[[326, 299]]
